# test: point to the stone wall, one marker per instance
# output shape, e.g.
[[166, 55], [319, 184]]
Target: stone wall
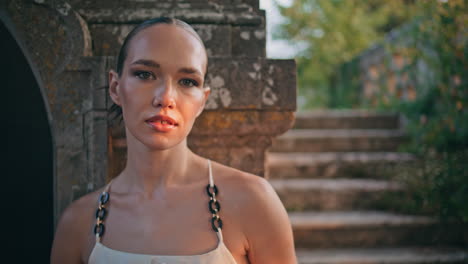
[[72, 44]]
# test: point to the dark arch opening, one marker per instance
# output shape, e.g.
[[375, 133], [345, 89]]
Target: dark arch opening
[[29, 159]]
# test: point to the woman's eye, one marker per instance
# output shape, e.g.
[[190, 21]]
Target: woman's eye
[[144, 75], [188, 82]]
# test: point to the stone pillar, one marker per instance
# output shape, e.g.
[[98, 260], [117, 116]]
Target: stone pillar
[[253, 98]]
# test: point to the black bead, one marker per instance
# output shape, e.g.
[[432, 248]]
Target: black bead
[[215, 190], [220, 223], [104, 198], [101, 213], [99, 230], [210, 205]]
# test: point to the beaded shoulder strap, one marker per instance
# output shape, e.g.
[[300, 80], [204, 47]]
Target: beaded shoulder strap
[[101, 213], [212, 190]]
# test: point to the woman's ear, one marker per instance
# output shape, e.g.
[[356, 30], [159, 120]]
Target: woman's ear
[[206, 91], [114, 87]]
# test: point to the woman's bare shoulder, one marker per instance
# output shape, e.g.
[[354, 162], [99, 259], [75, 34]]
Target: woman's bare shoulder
[[240, 181], [248, 193], [258, 212], [74, 229], [79, 210]]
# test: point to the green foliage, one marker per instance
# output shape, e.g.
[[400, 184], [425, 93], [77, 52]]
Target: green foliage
[[438, 116], [437, 184], [334, 32]]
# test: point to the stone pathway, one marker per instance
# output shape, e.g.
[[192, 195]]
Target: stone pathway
[[332, 171]]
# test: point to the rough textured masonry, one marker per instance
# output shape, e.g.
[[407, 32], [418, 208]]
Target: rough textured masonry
[[72, 44]]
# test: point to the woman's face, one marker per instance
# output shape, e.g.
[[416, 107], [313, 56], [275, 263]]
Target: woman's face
[[161, 89]]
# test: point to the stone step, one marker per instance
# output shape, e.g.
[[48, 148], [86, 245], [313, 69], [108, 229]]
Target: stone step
[[338, 140], [334, 164], [346, 119], [370, 229], [337, 194], [417, 255]]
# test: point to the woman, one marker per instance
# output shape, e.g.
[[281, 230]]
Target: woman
[[155, 210]]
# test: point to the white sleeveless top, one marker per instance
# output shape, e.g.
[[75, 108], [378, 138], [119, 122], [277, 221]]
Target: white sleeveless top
[[220, 255]]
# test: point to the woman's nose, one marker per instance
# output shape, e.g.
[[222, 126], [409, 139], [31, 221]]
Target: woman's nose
[[164, 95]]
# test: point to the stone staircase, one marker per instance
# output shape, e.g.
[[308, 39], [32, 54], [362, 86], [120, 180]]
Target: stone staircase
[[332, 172]]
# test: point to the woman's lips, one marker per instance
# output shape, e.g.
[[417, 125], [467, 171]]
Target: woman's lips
[[162, 123]]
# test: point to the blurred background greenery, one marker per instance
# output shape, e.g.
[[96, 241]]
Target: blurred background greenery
[[401, 55]]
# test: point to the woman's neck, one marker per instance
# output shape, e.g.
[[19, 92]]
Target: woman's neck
[[147, 170]]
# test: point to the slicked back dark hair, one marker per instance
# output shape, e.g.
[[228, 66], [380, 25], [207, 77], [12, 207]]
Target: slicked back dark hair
[[146, 24], [116, 109]]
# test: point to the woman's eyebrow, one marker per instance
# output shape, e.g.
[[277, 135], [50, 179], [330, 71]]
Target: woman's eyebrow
[[149, 63], [154, 64], [190, 71]]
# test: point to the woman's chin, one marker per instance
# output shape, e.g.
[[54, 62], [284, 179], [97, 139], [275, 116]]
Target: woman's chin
[[154, 141], [161, 143]]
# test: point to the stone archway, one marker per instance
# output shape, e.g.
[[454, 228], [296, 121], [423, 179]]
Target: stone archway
[[55, 41], [29, 152]]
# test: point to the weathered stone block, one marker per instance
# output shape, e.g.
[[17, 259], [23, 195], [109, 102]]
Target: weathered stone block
[[231, 86], [217, 39], [71, 184], [107, 38], [278, 85], [68, 126], [95, 140], [252, 84], [369, 229], [335, 140], [338, 194], [203, 14], [236, 138], [241, 123], [249, 41], [300, 165], [346, 119], [97, 68], [253, 3]]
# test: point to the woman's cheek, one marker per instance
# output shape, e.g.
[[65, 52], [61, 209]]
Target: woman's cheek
[[196, 94], [197, 101], [135, 91]]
